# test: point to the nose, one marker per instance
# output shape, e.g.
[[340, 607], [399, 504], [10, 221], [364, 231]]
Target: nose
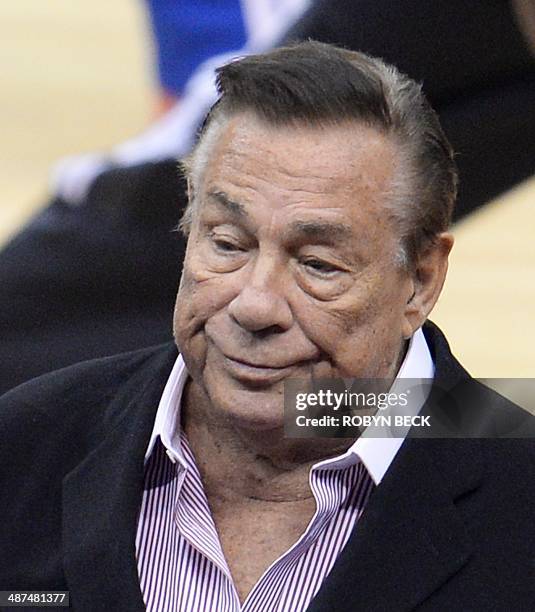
[[261, 305]]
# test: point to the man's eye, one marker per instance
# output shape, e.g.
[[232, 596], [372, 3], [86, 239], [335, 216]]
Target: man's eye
[[320, 267], [225, 245]]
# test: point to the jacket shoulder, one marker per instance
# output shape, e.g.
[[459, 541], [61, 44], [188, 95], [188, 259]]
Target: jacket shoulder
[[80, 399]]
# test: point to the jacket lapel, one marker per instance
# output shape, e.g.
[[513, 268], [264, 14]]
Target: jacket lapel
[[411, 537], [102, 497]]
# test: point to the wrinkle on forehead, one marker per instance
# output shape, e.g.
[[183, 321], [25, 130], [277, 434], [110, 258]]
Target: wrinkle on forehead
[[355, 147]]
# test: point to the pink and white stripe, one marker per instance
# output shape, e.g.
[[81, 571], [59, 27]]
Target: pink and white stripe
[[181, 564]]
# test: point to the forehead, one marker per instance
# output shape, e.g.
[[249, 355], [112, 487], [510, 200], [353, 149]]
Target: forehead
[[342, 170]]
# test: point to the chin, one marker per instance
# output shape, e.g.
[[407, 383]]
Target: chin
[[251, 410]]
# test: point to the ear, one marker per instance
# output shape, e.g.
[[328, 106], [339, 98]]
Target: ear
[[427, 281]]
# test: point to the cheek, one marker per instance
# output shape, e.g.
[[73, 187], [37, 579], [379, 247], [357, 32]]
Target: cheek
[[329, 322], [358, 335], [200, 296]]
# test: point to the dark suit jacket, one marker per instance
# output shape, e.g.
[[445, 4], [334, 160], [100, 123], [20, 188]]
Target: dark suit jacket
[[450, 527]]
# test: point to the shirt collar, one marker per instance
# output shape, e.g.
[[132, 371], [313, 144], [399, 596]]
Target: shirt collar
[[168, 414], [375, 453]]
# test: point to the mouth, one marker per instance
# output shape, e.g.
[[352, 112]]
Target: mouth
[[255, 373]]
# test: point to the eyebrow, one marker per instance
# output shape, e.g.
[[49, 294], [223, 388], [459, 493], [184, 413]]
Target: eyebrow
[[221, 198], [321, 229], [318, 230]]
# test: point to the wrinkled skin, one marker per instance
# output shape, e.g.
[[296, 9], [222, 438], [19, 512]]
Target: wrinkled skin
[[289, 269]]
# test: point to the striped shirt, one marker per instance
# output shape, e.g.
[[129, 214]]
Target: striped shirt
[[181, 564]]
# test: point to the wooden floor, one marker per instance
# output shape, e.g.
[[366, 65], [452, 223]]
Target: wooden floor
[[76, 77]]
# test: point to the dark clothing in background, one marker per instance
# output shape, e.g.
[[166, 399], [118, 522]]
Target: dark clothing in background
[[84, 282], [79, 283]]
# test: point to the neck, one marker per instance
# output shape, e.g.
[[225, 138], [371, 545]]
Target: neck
[[241, 464]]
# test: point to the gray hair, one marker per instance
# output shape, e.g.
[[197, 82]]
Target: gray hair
[[317, 84]]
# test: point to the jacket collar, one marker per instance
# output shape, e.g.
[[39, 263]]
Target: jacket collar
[[102, 497]]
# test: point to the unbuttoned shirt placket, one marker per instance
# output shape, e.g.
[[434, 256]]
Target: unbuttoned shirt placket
[[337, 491]]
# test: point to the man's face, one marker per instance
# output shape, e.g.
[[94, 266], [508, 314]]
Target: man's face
[[289, 269]]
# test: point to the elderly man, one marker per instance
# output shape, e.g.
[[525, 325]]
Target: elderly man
[[320, 195]]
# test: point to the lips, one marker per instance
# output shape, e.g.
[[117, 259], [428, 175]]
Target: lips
[[260, 366], [257, 374]]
